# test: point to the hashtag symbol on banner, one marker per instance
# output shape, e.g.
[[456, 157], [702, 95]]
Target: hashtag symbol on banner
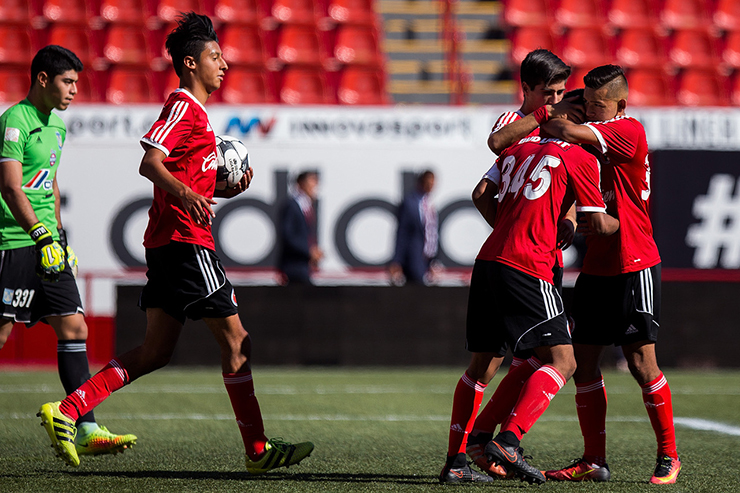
[[719, 226]]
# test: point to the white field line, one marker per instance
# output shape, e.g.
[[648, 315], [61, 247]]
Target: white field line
[[691, 423], [267, 389]]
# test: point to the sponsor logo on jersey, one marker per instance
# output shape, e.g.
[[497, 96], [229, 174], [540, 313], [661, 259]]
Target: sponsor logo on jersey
[[59, 140], [208, 127], [53, 158], [210, 162], [39, 181], [12, 134], [7, 296]]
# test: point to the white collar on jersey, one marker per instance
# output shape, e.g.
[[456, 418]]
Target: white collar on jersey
[[180, 89]]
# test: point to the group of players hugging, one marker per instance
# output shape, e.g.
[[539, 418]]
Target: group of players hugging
[[558, 155]]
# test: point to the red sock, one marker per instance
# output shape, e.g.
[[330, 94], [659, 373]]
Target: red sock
[[657, 398], [465, 404], [97, 389], [536, 394], [247, 410], [591, 407], [506, 395]]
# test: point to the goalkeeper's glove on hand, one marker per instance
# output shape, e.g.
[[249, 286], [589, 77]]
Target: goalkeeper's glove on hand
[[71, 257], [49, 254]]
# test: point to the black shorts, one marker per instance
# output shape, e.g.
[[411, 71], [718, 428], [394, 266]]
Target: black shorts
[[617, 310], [510, 309], [29, 299], [187, 281]]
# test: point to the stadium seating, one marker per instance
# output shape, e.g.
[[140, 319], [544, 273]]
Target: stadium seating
[[87, 87], [735, 90], [127, 44], [692, 48], [79, 39], [579, 13], [630, 14], [639, 47], [17, 11], [522, 13], [352, 12], [727, 15], [699, 87], [586, 47], [357, 45], [244, 85], [130, 11], [684, 14], [731, 49], [526, 39], [299, 44], [362, 86], [16, 44], [295, 11], [238, 11], [168, 10], [76, 11], [305, 86], [14, 84], [242, 44], [130, 85], [649, 87]]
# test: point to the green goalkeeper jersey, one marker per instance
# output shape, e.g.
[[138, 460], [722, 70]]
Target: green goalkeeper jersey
[[35, 140]]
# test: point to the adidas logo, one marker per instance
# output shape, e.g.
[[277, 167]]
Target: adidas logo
[[81, 394], [548, 395], [650, 404], [631, 330], [456, 427]]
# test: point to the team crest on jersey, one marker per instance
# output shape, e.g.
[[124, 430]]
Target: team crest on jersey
[[53, 158], [40, 180], [59, 140], [210, 162], [7, 296], [12, 134], [233, 298]]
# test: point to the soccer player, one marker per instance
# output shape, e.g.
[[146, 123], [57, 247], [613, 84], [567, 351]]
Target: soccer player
[[543, 75], [513, 302], [617, 294], [185, 277], [36, 264]]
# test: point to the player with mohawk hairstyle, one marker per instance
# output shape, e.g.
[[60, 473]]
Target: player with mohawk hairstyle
[[185, 276]]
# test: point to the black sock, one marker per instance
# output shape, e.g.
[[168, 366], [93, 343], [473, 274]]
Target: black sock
[[457, 461], [508, 438], [73, 369]]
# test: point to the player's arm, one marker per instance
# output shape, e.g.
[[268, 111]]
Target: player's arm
[[568, 131], [11, 183], [484, 199], [152, 167], [567, 228], [243, 184], [511, 133], [599, 223]]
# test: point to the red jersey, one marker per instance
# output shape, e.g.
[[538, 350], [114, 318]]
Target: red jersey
[[534, 177], [184, 134], [625, 178]]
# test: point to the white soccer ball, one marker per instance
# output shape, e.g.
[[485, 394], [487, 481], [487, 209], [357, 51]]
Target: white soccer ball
[[233, 160]]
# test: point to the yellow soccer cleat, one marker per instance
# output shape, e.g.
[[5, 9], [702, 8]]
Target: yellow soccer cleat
[[279, 454], [62, 432], [101, 441]]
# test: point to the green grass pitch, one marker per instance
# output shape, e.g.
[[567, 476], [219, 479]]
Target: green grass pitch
[[374, 430]]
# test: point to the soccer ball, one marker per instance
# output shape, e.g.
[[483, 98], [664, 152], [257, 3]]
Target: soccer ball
[[233, 160]]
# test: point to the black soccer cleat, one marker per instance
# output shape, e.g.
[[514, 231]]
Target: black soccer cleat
[[463, 474], [511, 458]]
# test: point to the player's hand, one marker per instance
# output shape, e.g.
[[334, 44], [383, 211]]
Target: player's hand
[[566, 233], [570, 109], [198, 206], [239, 188], [49, 253], [70, 254]]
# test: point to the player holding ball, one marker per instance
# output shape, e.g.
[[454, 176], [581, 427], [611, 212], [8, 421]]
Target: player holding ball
[[185, 277]]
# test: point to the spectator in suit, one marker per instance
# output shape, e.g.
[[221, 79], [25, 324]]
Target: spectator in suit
[[299, 250], [417, 237]]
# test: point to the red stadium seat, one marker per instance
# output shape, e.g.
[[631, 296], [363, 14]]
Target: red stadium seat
[[575, 81], [352, 11], [168, 10], [357, 44], [522, 13], [242, 45], [295, 11], [127, 44], [700, 88], [246, 86], [526, 39], [16, 45], [299, 45], [362, 86], [79, 39], [87, 88], [130, 85], [648, 87], [628, 14], [640, 48], [731, 50], [172, 82], [238, 11], [76, 11], [586, 47], [131, 11], [14, 85], [684, 14], [735, 90], [727, 15], [692, 48], [20, 11], [304, 86], [580, 13]]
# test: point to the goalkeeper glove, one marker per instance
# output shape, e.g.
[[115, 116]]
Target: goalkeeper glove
[[49, 254], [71, 257]]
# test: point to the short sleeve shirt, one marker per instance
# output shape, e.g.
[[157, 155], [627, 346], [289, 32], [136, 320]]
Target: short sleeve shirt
[[35, 140], [184, 133], [625, 178], [534, 177]]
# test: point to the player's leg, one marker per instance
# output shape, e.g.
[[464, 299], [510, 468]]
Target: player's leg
[[6, 327], [262, 454]]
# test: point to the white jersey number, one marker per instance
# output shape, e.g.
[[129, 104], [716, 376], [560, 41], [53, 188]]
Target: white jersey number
[[535, 186]]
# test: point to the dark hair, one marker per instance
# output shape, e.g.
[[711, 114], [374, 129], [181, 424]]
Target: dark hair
[[575, 93], [543, 67], [424, 175], [600, 76], [189, 38], [54, 60], [304, 175]]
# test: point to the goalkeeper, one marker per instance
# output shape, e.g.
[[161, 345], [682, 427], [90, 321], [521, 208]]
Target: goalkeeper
[[37, 266]]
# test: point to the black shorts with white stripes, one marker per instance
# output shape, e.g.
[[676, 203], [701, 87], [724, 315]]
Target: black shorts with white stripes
[[617, 310], [187, 281], [510, 309]]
